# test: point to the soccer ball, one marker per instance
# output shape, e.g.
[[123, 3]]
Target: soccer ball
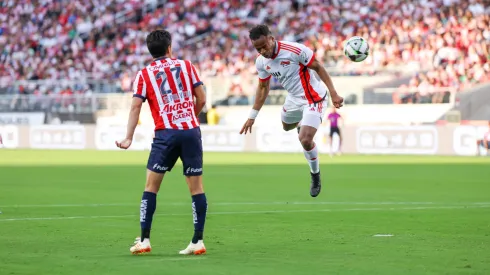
[[356, 49]]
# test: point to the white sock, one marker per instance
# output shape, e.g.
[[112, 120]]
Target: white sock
[[483, 151], [313, 160]]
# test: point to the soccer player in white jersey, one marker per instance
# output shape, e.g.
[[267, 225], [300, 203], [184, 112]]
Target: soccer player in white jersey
[[293, 64], [170, 86]]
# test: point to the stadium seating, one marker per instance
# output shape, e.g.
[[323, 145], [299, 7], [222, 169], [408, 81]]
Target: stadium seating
[[446, 44]]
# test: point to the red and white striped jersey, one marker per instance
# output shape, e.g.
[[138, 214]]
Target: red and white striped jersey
[[289, 65], [168, 85]]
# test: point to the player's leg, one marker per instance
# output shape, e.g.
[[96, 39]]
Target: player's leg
[[191, 155], [289, 126], [163, 156], [481, 146], [332, 132], [312, 118], [486, 146], [340, 141], [291, 115], [199, 210]]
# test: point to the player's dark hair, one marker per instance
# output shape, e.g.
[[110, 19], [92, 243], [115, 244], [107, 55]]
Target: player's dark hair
[[158, 42], [259, 30]]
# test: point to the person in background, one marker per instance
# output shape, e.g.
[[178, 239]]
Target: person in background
[[334, 119], [484, 144], [213, 116]]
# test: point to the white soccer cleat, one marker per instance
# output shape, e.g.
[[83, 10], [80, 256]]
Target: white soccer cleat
[[194, 249], [140, 247]]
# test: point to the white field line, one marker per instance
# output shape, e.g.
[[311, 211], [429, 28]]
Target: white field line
[[245, 203], [257, 212], [198, 258]]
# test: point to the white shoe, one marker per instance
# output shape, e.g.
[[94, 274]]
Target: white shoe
[[194, 249], [140, 247]]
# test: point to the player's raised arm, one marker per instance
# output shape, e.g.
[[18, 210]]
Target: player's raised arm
[[308, 59], [325, 77], [260, 96]]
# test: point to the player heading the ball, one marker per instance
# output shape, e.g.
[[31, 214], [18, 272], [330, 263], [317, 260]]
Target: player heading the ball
[[293, 65]]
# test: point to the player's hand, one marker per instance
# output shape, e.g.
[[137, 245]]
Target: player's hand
[[247, 126], [337, 101], [124, 144]]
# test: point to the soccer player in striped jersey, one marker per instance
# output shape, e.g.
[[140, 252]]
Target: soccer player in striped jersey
[[293, 64], [170, 86]]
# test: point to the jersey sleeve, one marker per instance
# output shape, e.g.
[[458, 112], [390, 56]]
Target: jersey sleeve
[[139, 86], [306, 56], [196, 80], [263, 74]]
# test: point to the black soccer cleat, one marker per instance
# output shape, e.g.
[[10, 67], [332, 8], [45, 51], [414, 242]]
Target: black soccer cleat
[[316, 184]]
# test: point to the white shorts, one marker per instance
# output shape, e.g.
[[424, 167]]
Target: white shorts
[[295, 110]]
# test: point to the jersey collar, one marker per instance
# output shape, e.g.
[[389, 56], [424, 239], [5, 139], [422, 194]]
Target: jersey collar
[[163, 58], [278, 48]]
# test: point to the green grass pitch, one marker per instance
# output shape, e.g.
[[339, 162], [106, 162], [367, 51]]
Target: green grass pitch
[[77, 212]]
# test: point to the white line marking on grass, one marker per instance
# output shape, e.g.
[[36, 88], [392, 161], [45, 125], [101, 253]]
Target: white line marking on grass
[[66, 205], [383, 235], [255, 212], [244, 203], [184, 258]]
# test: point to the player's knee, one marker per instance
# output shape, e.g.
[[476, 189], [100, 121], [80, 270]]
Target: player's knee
[[306, 140]]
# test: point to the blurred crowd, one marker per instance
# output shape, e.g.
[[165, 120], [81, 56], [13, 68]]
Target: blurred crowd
[[447, 41]]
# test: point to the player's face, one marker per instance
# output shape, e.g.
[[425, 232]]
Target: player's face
[[265, 46]]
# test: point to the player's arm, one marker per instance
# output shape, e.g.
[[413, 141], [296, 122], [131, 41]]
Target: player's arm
[[139, 96], [325, 77], [261, 95], [200, 96], [197, 90], [134, 116], [307, 58], [262, 90]]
